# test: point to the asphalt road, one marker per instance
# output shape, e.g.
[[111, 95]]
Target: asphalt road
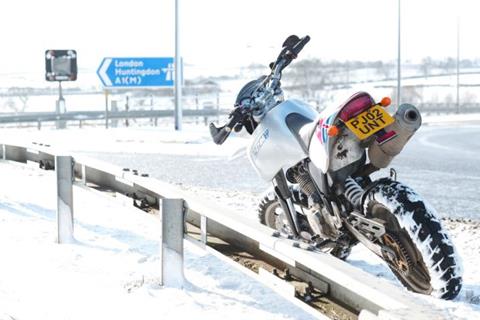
[[442, 163]]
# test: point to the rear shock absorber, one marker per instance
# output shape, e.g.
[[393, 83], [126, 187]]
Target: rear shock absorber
[[353, 192]]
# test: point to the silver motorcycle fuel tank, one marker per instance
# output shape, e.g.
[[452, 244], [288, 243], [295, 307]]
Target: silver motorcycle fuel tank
[[275, 145]]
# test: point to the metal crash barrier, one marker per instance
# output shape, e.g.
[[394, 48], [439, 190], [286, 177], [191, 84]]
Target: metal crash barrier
[[68, 171], [370, 297]]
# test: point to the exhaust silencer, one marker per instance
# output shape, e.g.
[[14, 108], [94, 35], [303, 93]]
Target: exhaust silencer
[[407, 121]]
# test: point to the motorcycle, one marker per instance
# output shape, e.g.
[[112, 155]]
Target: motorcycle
[[323, 193]]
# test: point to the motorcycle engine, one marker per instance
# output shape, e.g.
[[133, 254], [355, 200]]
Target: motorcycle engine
[[321, 221]]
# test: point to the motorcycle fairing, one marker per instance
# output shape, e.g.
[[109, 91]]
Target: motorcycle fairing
[[277, 141]]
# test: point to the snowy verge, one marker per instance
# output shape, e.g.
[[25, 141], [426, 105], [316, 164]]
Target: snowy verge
[[163, 140], [147, 140], [111, 270], [441, 119]]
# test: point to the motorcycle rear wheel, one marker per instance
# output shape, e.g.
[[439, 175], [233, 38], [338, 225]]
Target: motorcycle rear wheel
[[426, 260]]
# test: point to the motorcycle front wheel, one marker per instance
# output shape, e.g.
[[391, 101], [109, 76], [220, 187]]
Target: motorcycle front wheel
[[425, 259]]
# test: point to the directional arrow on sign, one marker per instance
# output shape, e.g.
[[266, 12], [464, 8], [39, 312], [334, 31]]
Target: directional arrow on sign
[[102, 72]]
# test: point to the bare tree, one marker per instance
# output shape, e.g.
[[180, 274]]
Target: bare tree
[[307, 76], [23, 94], [410, 94], [426, 66], [10, 104], [448, 64]]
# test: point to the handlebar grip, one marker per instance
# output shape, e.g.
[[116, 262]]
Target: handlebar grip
[[299, 46], [219, 135]]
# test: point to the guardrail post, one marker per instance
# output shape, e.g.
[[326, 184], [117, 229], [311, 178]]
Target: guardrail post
[[203, 230], [64, 170], [84, 174], [172, 217]]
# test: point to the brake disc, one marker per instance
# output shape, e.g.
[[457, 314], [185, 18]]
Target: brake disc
[[401, 260]]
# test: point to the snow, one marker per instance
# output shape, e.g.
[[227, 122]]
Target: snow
[[441, 119], [116, 253], [112, 269], [148, 140], [172, 271]]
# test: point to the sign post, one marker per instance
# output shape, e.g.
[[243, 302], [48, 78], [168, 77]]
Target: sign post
[[178, 84], [106, 108]]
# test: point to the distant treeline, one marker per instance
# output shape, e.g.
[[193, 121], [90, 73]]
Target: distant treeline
[[318, 73], [448, 63], [301, 72]]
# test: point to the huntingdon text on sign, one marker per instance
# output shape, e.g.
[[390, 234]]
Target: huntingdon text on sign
[[137, 72]]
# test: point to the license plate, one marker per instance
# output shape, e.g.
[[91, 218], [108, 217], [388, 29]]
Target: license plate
[[369, 122]]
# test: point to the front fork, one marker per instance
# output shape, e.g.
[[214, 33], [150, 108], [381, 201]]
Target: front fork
[[284, 196]]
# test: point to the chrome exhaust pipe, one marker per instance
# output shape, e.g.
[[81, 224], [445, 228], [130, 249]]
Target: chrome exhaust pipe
[[407, 121]]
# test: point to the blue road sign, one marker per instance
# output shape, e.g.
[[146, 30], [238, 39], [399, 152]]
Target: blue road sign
[[137, 72]]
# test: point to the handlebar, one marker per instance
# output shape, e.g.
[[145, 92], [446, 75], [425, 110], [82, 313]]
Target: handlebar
[[292, 47]]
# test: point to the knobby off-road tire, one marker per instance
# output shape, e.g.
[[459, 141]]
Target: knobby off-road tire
[[432, 262], [270, 214]]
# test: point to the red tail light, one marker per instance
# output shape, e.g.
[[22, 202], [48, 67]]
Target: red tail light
[[357, 103]]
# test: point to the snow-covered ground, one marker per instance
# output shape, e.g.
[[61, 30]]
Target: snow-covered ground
[[201, 165], [112, 269]]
